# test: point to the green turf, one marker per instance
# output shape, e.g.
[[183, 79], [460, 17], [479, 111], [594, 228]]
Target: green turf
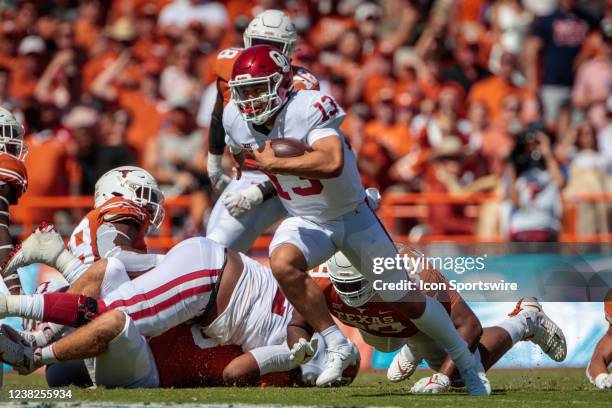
[[511, 388]]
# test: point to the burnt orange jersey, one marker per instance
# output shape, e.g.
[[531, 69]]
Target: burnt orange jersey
[[185, 357], [83, 241], [13, 172], [378, 318], [608, 306], [302, 78]]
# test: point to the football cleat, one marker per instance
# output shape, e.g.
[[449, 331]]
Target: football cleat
[[541, 330], [337, 359], [476, 382], [44, 245], [20, 357], [403, 365]]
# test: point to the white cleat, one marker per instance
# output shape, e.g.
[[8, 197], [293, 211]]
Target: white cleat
[[476, 382], [44, 245], [403, 365], [541, 330], [20, 357], [337, 359]]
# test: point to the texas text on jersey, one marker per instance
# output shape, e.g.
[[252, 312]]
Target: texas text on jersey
[[377, 317], [84, 239]]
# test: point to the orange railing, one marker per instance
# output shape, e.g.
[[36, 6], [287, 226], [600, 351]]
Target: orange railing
[[393, 208]]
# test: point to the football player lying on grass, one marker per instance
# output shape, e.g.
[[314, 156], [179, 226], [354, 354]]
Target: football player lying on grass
[[352, 300], [597, 370], [234, 299]]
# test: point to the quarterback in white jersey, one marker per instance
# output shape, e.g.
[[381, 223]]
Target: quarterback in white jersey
[[308, 117], [322, 192], [248, 205]]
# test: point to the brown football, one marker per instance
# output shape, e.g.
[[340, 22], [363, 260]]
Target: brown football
[[289, 147]]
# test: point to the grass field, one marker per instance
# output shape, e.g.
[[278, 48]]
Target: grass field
[[511, 388]]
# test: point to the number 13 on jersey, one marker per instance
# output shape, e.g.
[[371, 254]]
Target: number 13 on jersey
[[314, 188]]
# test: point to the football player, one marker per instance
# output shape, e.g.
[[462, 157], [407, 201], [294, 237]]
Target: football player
[[597, 370], [322, 192], [352, 300], [229, 223], [235, 300], [13, 183], [127, 204]]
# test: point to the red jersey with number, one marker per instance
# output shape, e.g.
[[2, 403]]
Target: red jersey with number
[[378, 318], [186, 357], [302, 78]]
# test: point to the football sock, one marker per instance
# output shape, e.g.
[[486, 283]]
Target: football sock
[[333, 336], [515, 326], [28, 306], [272, 359], [436, 323]]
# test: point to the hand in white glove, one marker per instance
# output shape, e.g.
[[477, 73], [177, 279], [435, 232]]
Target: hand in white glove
[[603, 381], [240, 202], [435, 384], [303, 351]]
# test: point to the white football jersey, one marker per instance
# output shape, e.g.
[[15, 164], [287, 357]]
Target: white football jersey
[[307, 116]]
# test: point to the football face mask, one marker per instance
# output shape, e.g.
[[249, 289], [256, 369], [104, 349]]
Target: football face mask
[[257, 98]]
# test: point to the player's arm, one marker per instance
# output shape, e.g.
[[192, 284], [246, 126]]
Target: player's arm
[[115, 239], [216, 145], [597, 370], [298, 329], [7, 196], [325, 161], [300, 341]]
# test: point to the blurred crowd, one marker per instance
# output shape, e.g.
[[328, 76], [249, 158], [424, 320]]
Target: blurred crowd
[[505, 96]]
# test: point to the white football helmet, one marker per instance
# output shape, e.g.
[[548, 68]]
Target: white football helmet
[[349, 283], [11, 136], [272, 27], [134, 184]]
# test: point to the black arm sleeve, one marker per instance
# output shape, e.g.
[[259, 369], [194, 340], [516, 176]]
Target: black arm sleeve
[[216, 134], [267, 189]]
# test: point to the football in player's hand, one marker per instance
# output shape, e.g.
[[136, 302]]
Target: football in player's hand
[[289, 147]]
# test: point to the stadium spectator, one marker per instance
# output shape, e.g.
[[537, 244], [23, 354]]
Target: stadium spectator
[[492, 90], [587, 175], [534, 182], [176, 158], [138, 95], [558, 36], [408, 73], [444, 176]]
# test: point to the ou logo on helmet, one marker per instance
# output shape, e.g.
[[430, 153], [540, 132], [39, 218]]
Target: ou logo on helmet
[[280, 60]]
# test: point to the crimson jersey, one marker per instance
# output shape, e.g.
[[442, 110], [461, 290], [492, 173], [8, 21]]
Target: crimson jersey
[[13, 172], [378, 318], [83, 241], [185, 357], [302, 78]]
